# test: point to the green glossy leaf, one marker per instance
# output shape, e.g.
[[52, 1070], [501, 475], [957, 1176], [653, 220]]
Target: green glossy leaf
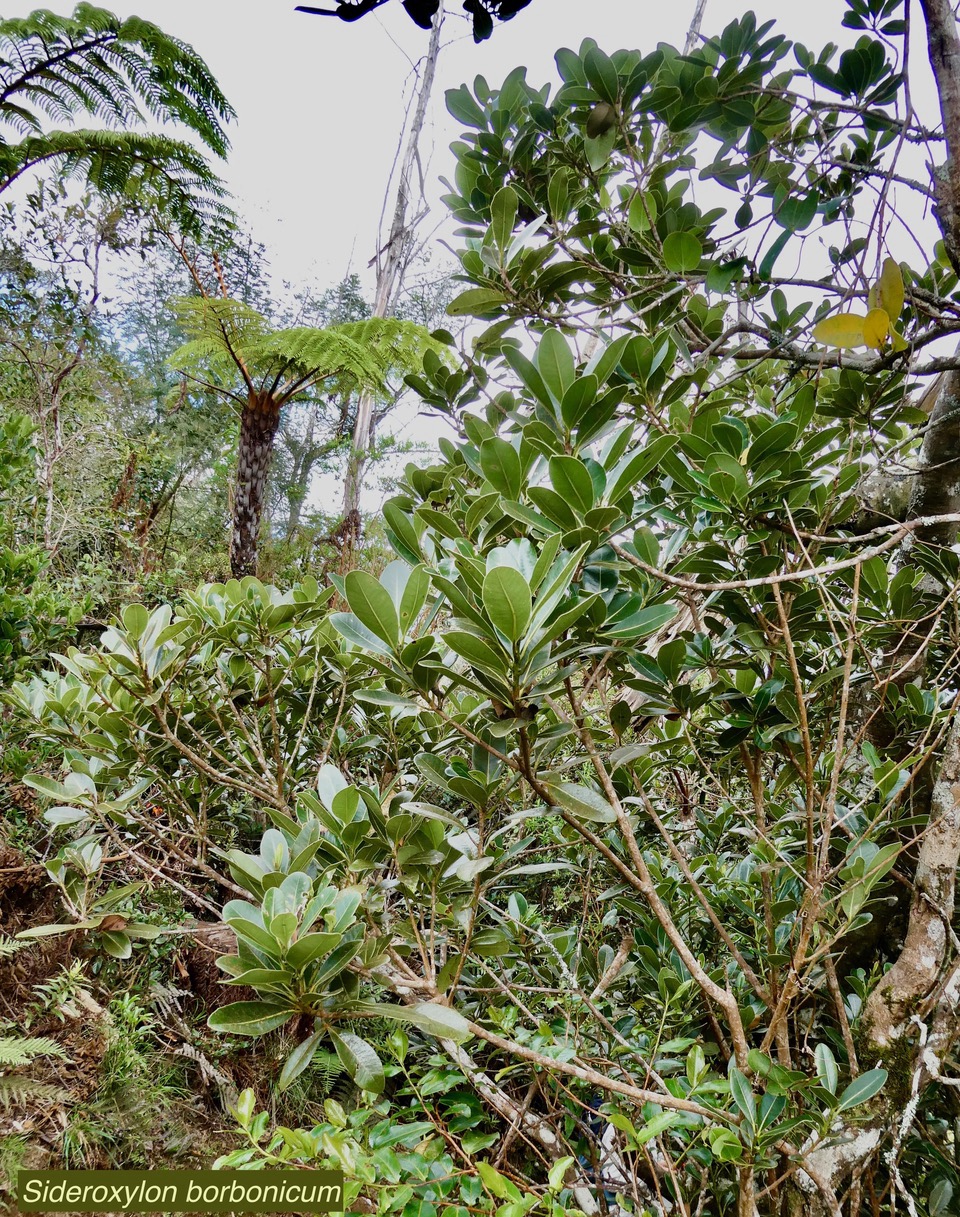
[[503, 213], [501, 466], [826, 1065], [643, 623], [249, 1017], [507, 599], [299, 1059], [310, 948], [371, 603], [555, 364], [476, 302], [863, 1088], [582, 802], [360, 1060], [571, 480], [743, 1095], [682, 252]]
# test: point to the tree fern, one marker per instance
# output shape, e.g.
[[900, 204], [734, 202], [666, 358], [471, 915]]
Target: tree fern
[[233, 350], [54, 68]]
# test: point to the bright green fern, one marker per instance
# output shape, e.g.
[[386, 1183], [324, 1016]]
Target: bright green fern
[[17, 1051]]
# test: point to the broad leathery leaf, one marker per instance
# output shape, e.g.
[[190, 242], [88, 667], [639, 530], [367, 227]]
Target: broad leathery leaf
[[464, 109], [655, 1126], [682, 252], [863, 1088], [371, 603], [876, 329], [414, 597], [642, 623], [135, 618], [582, 802], [116, 944], [643, 211], [843, 330], [249, 1017], [494, 1182], [299, 1059], [503, 212], [633, 469], [598, 150], [501, 466], [330, 782], [826, 1065], [555, 364], [311, 947], [743, 1095], [474, 650], [572, 481], [890, 289], [476, 302], [557, 1173], [360, 1061], [440, 1021], [351, 628], [507, 599]]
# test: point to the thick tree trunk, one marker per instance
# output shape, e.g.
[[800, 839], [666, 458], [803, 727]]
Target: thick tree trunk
[[258, 426], [943, 48]]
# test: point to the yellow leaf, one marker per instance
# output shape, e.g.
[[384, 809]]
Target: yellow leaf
[[899, 342], [890, 289], [843, 330], [876, 328], [872, 300]]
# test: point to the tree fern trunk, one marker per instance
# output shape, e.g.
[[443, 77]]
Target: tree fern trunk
[[258, 426]]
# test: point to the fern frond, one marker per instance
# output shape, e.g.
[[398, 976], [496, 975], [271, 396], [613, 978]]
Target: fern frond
[[153, 170], [18, 1050], [357, 355], [9, 946], [15, 1091], [55, 68]]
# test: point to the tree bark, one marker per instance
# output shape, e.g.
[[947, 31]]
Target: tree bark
[[258, 426], [943, 48]]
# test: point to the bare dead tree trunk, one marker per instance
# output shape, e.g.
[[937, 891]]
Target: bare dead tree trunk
[[258, 426], [392, 261]]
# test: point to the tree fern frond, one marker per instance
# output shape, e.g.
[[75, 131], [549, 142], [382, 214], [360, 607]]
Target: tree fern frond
[[20, 1050], [95, 62], [216, 319], [54, 68], [154, 171], [356, 354]]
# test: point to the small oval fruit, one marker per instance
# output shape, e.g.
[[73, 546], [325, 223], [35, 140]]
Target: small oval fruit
[[602, 117]]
